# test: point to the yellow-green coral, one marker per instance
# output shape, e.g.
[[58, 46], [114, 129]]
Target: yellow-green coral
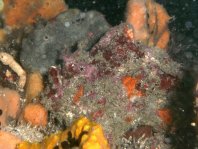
[[83, 134]]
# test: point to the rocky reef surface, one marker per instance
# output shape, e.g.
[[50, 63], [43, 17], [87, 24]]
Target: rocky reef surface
[[121, 84], [79, 66]]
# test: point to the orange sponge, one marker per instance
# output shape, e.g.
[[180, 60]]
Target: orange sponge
[[18, 13], [34, 86], [163, 33], [35, 114], [51, 8], [150, 22], [162, 18], [137, 16], [9, 104], [8, 141], [163, 40]]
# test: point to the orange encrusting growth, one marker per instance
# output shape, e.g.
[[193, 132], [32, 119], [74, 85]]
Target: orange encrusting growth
[[165, 115], [150, 22], [19, 13], [35, 114], [129, 84], [51, 8], [78, 94]]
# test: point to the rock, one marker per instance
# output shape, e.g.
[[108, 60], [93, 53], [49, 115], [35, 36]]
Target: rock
[[133, 81], [146, 131]]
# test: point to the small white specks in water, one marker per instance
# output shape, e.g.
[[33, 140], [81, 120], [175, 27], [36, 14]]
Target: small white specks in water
[[188, 25], [193, 124], [186, 4], [93, 2], [195, 33], [188, 55], [173, 18], [180, 37], [195, 68], [67, 24], [182, 110]]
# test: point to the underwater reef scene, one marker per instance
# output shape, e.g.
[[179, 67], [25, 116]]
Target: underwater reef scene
[[98, 74]]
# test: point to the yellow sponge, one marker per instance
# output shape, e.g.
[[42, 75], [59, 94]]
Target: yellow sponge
[[83, 134]]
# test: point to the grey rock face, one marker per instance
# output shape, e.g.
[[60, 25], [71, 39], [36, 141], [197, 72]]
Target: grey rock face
[[70, 31]]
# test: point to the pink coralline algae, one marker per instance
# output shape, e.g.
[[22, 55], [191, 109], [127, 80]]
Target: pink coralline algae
[[72, 68], [105, 97], [120, 49]]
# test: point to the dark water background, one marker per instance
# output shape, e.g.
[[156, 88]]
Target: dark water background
[[183, 48], [183, 25]]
